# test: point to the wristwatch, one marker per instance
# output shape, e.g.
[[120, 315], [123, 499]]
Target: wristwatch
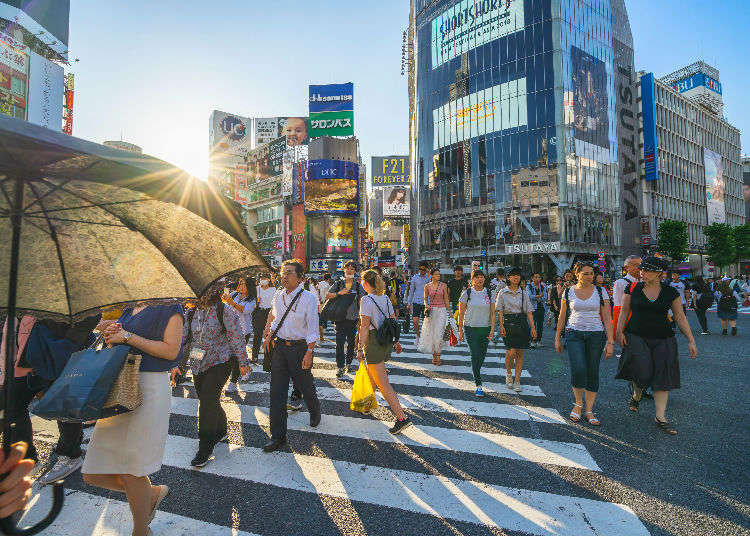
[[127, 336]]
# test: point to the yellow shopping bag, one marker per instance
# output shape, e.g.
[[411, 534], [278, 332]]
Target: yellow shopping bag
[[363, 395]]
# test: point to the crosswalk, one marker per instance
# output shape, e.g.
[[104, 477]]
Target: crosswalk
[[471, 465]]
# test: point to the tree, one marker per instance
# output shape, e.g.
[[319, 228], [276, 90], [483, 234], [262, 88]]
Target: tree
[[742, 242], [720, 244], [673, 240]]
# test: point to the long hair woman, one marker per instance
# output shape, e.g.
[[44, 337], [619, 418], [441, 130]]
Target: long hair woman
[[476, 312], [125, 449], [374, 308], [436, 302], [649, 356], [703, 298], [513, 308], [587, 328], [213, 337], [726, 310], [243, 301]]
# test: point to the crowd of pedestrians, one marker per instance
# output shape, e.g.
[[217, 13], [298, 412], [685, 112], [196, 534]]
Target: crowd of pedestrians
[[280, 319]]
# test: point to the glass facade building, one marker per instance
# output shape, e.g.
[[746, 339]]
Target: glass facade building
[[524, 143]]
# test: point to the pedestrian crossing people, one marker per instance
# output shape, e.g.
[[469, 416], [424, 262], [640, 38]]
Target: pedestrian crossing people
[[514, 310], [213, 336], [649, 356], [436, 300], [346, 329], [727, 307], [125, 449], [554, 296], [703, 298], [322, 291], [456, 286], [375, 307], [587, 331], [476, 315], [538, 295], [632, 275], [292, 329], [265, 293], [415, 296], [243, 301]]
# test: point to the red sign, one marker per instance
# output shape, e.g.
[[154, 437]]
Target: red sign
[[299, 233]]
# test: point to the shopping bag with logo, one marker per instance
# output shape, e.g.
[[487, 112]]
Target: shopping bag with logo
[[363, 395]]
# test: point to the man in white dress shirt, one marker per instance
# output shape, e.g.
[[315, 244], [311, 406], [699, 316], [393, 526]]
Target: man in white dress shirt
[[293, 349]]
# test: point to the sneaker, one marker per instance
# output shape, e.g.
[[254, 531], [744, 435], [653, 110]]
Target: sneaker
[[540, 344], [294, 405], [479, 391], [517, 387], [734, 331], [63, 467], [399, 426], [202, 457], [705, 333], [509, 382], [231, 388], [723, 332], [340, 372], [532, 344]]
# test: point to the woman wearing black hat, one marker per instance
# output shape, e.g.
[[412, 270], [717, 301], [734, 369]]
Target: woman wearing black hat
[[649, 356]]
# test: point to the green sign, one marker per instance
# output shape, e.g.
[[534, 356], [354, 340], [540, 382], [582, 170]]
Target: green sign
[[331, 124]]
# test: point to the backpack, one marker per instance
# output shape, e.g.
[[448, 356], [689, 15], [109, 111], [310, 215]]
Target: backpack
[[567, 300], [706, 299], [728, 303], [389, 331]]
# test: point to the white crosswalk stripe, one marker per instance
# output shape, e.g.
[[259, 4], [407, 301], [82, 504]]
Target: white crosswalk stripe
[[451, 425]]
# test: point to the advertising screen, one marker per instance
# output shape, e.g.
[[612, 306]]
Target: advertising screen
[[229, 133], [650, 156], [471, 23], [332, 169], [295, 130], [714, 187], [339, 235], [493, 109], [332, 187], [332, 98], [590, 102], [276, 156], [390, 171], [396, 202]]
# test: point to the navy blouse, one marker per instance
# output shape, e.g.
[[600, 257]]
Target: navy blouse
[[151, 323]]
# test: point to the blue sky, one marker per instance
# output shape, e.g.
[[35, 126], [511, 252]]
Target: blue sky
[[152, 71]]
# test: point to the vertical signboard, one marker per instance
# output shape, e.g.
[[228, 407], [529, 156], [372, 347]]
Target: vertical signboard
[[45, 93], [332, 110], [390, 171], [67, 126], [299, 233], [276, 156], [715, 187], [240, 184], [648, 102], [396, 202], [590, 106], [14, 73]]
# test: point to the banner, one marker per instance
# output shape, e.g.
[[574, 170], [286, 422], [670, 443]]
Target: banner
[[396, 202], [332, 169], [590, 105], [331, 124], [339, 235], [332, 98], [331, 187], [298, 240], [390, 171], [46, 92], [276, 156], [257, 163], [714, 187], [299, 171], [240, 181]]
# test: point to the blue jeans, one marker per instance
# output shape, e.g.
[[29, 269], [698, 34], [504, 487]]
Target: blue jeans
[[585, 352]]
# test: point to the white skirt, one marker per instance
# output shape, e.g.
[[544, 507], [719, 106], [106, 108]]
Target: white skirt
[[133, 443], [431, 337]]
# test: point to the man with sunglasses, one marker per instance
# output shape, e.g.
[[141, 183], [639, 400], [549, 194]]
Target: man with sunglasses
[[415, 296]]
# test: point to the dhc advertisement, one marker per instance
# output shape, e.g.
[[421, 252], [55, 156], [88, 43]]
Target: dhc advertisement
[[649, 127]]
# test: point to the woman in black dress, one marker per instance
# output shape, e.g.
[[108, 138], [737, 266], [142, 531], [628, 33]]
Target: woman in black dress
[[649, 356]]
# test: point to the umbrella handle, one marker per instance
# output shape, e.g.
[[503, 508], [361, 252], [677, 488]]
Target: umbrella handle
[[8, 525]]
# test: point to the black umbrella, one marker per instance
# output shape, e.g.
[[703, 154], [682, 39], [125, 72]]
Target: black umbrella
[[86, 226]]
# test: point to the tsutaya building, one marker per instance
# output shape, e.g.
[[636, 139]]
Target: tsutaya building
[[524, 140]]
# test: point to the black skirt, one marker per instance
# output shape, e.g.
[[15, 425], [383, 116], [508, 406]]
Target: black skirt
[[650, 363], [517, 331]]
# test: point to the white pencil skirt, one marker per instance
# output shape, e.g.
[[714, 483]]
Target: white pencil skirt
[[133, 443]]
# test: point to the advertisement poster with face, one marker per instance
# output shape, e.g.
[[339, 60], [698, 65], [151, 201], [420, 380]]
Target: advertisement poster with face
[[295, 130], [396, 202], [714, 187], [590, 103], [339, 235]]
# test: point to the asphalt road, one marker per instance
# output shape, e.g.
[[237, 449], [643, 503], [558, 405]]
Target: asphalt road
[[349, 477]]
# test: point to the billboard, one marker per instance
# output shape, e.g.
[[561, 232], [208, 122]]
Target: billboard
[[339, 235], [590, 105], [40, 17], [240, 184], [266, 129], [331, 110], [258, 165], [331, 187], [67, 126], [746, 193], [471, 23], [493, 109], [295, 129], [229, 133], [276, 151], [648, 103], [390, 171], [714, 187], [14, 74], [46, 92], [396, 202], [697, 80], [298, 239]]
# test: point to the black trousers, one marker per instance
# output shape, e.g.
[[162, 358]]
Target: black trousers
[[701, 314], [23, 391], [539, 321], [286, 364], [212, 421], [234, 378], [346, 330], [259, 324]]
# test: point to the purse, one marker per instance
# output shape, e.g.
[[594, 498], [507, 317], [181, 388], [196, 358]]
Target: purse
[[271, 346], [126, 394]]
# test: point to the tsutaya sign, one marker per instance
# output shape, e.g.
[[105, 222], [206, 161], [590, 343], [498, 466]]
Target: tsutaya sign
[[539, 247]]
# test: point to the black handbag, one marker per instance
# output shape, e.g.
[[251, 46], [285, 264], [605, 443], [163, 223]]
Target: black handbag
[[271, 346], [389, 331], [335, 309]]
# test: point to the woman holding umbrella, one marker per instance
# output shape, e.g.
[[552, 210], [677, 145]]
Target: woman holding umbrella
[[125, 449]]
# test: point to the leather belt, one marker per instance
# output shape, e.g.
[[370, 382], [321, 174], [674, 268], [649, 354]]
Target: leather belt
[[291, 343]]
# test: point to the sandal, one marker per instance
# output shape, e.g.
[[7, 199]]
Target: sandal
[[633, 404], [591, 418], [575, 417], [666, 427]]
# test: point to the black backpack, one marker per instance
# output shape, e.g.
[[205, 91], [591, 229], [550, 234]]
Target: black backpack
[[390, 331], [728, 303], [567, 300], [706, 299]]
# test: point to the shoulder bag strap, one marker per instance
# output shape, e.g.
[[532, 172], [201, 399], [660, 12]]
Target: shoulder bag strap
[[385, 317], [281, 322]]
